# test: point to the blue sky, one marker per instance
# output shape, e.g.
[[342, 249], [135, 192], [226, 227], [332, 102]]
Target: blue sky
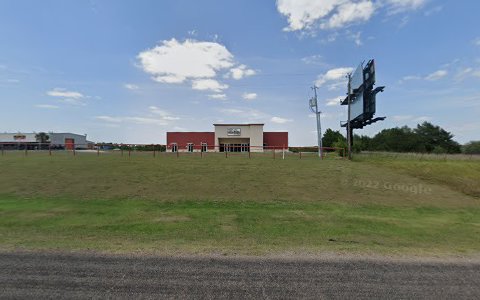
[[129, 71]]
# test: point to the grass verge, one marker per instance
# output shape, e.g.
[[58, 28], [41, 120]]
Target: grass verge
[[235, 227]]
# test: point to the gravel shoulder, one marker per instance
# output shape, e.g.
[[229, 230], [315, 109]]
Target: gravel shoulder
[[90, 275]]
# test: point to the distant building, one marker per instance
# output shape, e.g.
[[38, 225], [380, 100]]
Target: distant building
[[56, 140], [227, 138]]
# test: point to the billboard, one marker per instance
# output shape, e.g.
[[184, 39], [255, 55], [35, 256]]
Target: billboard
[[357, 79], [369, 74], [356, 108], [363, 95]]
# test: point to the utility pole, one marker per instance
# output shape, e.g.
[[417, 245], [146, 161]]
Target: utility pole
[[314, 109], [349, 129]]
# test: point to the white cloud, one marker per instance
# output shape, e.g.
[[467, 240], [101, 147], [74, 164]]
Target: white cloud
[[218, 96], [240, 72], [399, 6], [61, 92], [231, 111], [109, 119], [162, 113], [433, 11], [73, 101], [191, 59], [249, 96], [436, 75], [411, 77], [69, 97], [156, 116], [47, 106], [314, 60], [305, 14], [464, 73], [335, 14], [476, 42], [197, 62], [334, 77], [334, 101], [279, 120], [146, 121], [208, 84], [131, 86], [246, 114], [356, 37], [348, 13]]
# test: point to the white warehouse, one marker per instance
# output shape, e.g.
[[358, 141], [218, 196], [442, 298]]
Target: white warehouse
[[63, 140]]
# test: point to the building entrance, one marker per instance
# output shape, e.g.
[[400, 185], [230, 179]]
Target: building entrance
[[234, 144]]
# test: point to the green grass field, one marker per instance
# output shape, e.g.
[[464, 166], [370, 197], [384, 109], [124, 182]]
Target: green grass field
[[188, 205]]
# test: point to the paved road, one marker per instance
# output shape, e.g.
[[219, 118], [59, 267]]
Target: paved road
[[41, 275]]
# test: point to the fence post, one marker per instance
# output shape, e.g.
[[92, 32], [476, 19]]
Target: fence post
[[2, 149], [249, 151], [26, 149], [300, 154], [74, 153], [226, 153], [121, 149], [273, 152], [177, 152], [98, 151], [49, 150], [283, 152], [129, 150], [153, 150]]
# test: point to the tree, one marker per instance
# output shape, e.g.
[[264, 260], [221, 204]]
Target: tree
[[472, 147], [330, 137], [361, 142], [432, 136], [399, 139], [42, 138], [341, 144]]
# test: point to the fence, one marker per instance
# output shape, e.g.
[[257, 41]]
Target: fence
[[203, 150]]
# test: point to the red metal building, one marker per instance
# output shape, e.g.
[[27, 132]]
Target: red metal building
[[228, 137]]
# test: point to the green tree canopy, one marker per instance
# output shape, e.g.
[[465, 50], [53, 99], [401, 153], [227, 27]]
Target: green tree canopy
[[42, 137], [432, 137], [472, 147], [330, 137]]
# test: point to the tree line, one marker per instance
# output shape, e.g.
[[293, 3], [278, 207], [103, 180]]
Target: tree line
[[425, 138]]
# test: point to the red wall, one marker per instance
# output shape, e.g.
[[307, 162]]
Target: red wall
[[277, 139], [197, 138]]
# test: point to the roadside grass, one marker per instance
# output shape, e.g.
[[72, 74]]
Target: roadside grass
[[235, 227], [257, 206], [461, 173]]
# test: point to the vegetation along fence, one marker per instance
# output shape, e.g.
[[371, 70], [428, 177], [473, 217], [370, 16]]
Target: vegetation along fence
[[203, 150]]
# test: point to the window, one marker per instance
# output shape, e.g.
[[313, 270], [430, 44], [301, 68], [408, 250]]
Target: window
[[174, 147], [204, 147], [190, 147]]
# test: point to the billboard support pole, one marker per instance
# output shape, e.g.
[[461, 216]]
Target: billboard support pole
[[349, 129]]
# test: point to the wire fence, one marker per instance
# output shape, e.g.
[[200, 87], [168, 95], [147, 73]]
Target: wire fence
[[417, 156], [174, 150]]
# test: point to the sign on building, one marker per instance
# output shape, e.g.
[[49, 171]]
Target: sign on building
[[234, 131]]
